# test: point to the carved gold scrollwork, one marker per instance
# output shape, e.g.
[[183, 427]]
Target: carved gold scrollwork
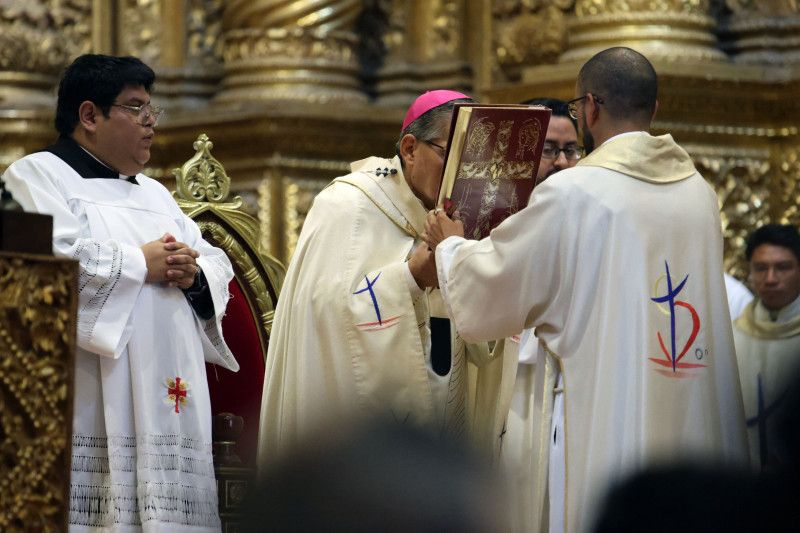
[[788, 176], [743, 190], [37, 340], [203, 178], [37, 40], [142, 26]]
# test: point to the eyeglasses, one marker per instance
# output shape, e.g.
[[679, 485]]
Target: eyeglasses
[[143, 112], [441, 150], [572, 105], [571, 152]]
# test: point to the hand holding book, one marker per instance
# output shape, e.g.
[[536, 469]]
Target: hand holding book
[[439, 226]]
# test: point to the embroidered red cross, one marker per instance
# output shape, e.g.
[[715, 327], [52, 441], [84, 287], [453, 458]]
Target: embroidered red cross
[[177, 392]]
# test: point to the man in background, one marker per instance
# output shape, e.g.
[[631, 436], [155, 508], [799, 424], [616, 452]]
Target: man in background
[[617, 263], [148, 316], [767, 335]]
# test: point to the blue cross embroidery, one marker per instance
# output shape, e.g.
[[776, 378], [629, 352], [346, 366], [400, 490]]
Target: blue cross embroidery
[[670, 297], [369, 286], [761, 419]]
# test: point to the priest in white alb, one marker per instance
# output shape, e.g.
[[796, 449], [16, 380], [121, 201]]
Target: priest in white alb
[[152, 293], [767, 338], [617, 263], [354, 335]]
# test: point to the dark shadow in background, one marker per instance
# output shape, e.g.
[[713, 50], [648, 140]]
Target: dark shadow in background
[[381, 477], [693, 498]]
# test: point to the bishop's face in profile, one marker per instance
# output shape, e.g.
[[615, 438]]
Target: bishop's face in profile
[[423, 162]]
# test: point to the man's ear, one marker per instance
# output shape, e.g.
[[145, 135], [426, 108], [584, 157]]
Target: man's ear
[[591, 110], [407, 148], [87, 115], [655, 110]]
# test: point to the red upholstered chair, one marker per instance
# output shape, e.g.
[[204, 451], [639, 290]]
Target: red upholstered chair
[[203, 190]]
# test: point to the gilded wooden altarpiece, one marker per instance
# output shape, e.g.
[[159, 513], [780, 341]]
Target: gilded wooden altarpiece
[[291, 91], [38, 308]]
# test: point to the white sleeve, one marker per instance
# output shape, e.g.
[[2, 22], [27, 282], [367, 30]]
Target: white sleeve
[[219, 273], [522, 275], [445, 253], [111, 273]]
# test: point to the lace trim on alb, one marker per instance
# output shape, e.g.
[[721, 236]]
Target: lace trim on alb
[[91, 441], [109, 505], [96, 286], [149, 461]]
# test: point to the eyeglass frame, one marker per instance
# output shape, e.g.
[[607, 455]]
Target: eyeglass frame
[[559, 151], [155, 111], [572, 107], [439, 146]]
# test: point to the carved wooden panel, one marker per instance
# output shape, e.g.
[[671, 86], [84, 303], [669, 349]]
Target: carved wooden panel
[[38, 306]]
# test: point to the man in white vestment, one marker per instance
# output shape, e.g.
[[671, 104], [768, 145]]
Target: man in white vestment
[[354, 335], [767, 337], [617, 263], [560, 151], [152, 293]]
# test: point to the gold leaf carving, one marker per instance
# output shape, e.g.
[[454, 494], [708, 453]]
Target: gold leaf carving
[[141, 25], [742, 187], [528, 32], [203, 178], [598, 7], [37, 336]]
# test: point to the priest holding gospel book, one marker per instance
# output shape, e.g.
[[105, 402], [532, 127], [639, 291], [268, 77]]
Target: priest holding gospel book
[[617, 263], [354, 335]]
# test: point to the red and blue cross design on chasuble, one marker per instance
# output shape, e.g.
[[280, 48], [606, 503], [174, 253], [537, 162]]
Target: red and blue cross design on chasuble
[[672, 364], [380, 322]]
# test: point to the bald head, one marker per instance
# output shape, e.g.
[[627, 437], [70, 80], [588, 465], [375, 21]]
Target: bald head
[[625, 81]]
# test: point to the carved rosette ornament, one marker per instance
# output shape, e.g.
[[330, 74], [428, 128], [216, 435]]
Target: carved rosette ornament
[[38, 308], [290, 50], [38, 38], [763, 31], [669, 30]]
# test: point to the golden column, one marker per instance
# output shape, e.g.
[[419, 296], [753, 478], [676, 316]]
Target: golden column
[[301, 50], [179, 39], [765, 32], [418, 45], [668, 29]]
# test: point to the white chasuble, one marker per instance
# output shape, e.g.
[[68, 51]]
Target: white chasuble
[[352, 334], [617, 263], [141, 445], [769, 358]]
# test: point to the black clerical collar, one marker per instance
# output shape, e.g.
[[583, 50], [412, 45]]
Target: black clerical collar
[[82, 162]]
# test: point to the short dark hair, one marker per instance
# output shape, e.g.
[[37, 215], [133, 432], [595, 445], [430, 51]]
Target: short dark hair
[[425, 126], [624, 79], [99, 79], [558, 107], [784, 235]]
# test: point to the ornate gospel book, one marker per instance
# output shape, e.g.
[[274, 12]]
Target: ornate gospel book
[[491, 163]]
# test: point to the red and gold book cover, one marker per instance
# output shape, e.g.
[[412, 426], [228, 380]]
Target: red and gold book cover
[[500, 153]]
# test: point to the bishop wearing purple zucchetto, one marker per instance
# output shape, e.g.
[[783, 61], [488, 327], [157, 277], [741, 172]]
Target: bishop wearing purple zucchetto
[[354, 335]]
